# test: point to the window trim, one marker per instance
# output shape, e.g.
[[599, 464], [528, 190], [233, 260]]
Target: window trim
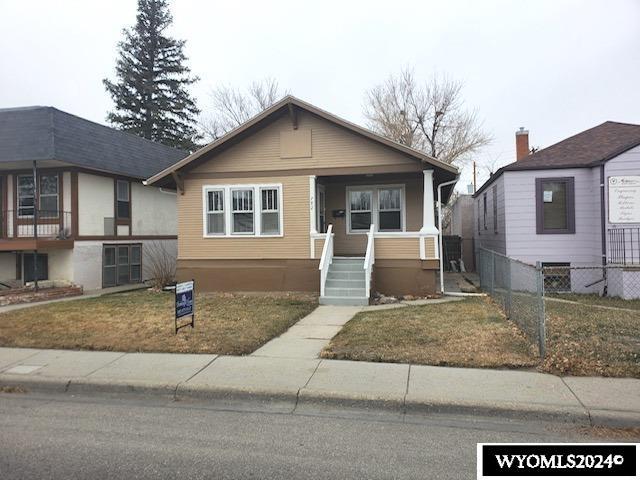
[[571, 206], [33, 195], [262, 211], [252, 211], [209, 212], [375, 207], [257, 210]]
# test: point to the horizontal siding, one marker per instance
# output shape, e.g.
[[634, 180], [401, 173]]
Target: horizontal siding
[[430, 247], [331, 146], [319, 245], [525, 244], [294, 243], [488, 238], [397, 248]]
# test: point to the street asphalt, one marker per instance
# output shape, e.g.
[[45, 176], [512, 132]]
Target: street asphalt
[[98, 437]]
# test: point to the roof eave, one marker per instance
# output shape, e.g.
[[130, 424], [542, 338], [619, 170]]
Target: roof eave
[[290, 100]]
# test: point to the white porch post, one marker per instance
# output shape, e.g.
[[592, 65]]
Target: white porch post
[[428, 208], [313, 229], [312, 204]]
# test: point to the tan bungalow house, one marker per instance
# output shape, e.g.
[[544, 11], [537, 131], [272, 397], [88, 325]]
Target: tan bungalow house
[[297, 199]]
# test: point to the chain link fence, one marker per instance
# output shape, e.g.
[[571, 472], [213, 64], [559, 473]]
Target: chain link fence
[[520, 288], [576, 282]]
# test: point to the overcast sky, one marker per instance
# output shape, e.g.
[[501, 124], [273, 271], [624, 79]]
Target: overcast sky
[[555, 67]]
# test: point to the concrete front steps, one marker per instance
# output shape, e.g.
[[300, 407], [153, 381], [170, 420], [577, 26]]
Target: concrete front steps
[[345, 282]]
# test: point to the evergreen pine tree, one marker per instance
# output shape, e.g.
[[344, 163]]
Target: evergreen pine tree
[[150, 92]]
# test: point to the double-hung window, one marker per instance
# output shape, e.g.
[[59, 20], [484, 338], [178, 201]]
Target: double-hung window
[[123, 199], [48, 196], [360, 213], [270, 219], [215, 212], [242, 210], [382, 206], [26, 196], [390, 209]]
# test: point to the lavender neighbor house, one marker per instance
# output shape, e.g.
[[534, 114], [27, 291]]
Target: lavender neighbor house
[[573, 205]]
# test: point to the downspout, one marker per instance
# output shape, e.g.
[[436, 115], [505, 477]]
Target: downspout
[[603, 234], [453, 294]]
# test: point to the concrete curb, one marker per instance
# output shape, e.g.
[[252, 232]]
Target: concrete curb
[[310, 400]]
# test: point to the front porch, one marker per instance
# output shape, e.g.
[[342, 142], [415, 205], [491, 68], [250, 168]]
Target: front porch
[[380, 228]]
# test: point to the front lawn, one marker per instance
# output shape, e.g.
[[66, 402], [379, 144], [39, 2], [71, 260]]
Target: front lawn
[[468, 333], [142, 321], [583, 340], [593, 299]]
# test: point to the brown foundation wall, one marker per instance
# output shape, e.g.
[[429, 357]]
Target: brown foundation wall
[[405, 277], [289, 275], [391, 277]]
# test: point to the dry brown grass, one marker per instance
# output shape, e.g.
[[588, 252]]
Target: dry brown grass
[[468, 333], [583, 340], [142, 321], [592, 299]]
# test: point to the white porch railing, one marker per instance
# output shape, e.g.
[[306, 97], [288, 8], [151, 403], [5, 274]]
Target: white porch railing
[[326, 259], [369, 260]]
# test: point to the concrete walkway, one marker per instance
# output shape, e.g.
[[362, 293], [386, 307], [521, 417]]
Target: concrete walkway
[[87, 294], [296, 383], [309, 336]]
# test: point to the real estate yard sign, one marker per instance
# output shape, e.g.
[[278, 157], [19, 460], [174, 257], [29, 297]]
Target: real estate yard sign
[[185, 303], [624, 199]]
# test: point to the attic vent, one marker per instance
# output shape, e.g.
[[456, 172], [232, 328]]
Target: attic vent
[[295, 143]]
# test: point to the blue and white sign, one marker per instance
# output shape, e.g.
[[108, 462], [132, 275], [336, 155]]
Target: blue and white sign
[[184, 299]]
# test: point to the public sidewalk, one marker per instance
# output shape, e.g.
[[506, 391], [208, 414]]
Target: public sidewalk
[[288, 384]]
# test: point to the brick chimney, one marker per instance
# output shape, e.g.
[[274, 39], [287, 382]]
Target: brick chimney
[[522, 143]]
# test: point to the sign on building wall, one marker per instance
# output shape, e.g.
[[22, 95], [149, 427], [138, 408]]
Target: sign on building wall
[[624, 199], [184, 303]]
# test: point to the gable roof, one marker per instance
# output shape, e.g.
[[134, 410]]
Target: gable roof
[[46, 133], [586, 149], [271, 113]]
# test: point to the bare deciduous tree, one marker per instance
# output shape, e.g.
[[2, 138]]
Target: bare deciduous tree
[[430, 117], [231, 107]]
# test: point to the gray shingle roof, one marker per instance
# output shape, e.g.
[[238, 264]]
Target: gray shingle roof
[[46, 133], [585, 149]]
